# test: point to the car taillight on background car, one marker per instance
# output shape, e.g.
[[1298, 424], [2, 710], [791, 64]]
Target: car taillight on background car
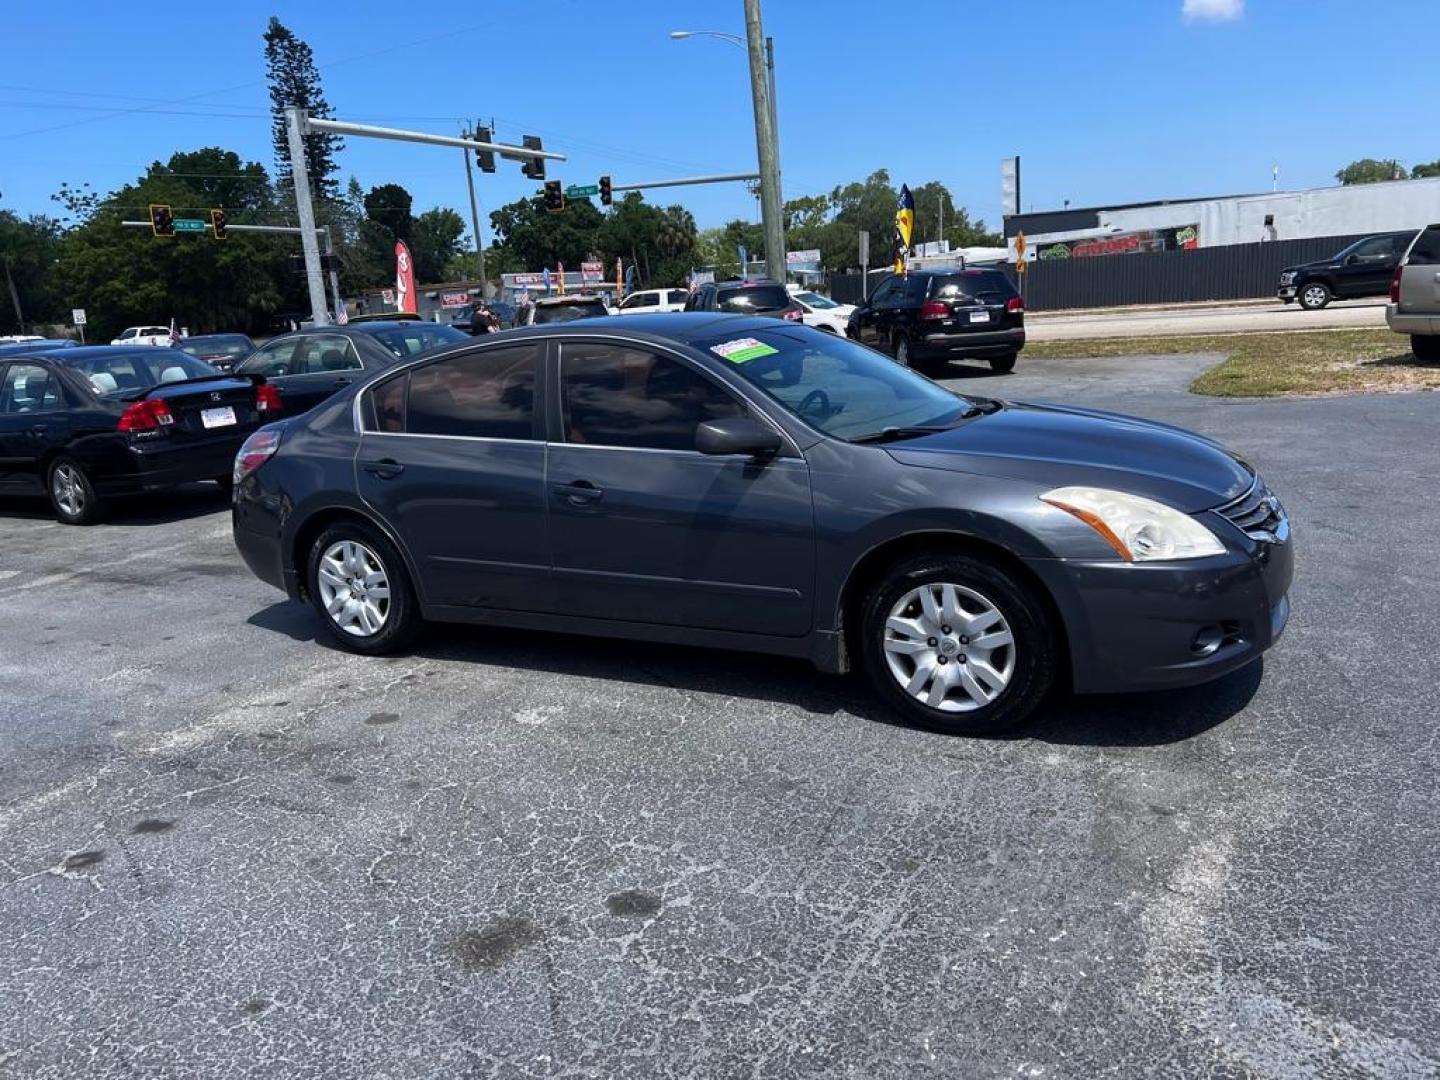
[[1395, 284], [256, 450], [146, 416], [1015, 303], [267, 400], [934, 309]]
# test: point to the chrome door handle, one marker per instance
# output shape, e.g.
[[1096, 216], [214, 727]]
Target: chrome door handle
[[580, 493]]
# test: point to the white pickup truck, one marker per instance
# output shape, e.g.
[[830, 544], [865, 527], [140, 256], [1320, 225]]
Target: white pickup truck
[[143, 335]]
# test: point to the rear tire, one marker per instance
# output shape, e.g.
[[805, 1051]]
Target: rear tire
[[1003, 365], [1020, 665], [360, 589], [1314, 295], [900, 349], [72, 495], [1426, 348]]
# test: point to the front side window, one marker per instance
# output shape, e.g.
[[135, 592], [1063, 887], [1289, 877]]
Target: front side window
[[886, 294], [676, 296], [614, 395], [639, 300], [833, 384], [1374, 249], [129, 333], [323, 353], [29, 388], [273, 360], [488, 394]]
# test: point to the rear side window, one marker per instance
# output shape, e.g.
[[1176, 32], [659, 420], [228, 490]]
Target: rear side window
[[676, 296], [748, 298], [972, 285], [488, 394], [1426, 251]]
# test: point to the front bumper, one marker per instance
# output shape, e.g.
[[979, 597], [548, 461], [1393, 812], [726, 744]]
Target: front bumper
[[1286, 292], [1136, 626], [969, 343]]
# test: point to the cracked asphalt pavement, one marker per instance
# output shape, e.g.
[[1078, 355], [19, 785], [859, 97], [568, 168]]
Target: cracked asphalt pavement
[[227, 850]]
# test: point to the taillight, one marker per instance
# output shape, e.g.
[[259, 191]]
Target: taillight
[[267, 400], [1015, 303], [1395, 284], [935, 309], [146, 416], [793, 314], [257, 449]]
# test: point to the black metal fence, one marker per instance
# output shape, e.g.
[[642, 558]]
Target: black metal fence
[[1232, 272]]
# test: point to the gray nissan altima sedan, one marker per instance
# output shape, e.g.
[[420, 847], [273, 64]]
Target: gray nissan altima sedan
[[746, 483]]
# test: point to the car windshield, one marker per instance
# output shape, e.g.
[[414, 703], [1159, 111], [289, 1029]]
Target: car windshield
[[228, 347], [580, 309], [415, 338], [137, 369], [815, 300], [746, 299], [835, 385]]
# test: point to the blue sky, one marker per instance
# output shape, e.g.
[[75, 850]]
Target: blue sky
[[1104, 101]]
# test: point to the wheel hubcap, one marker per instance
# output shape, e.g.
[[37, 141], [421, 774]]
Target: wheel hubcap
[[69, 490], [354, 588], [949, 647], [1314, 296]]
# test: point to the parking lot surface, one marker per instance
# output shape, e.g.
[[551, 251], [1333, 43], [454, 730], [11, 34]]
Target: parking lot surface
[[227, 850]]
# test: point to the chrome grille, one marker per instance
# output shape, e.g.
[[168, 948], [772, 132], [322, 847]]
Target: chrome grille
[[1258, 514]]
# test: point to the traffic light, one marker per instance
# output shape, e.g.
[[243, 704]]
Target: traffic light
[[484, 159], [554, 196], [217, 223], [606, 198], [162, 221], [533, 167]]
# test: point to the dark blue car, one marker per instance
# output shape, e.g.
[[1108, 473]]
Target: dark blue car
[[746, 483]]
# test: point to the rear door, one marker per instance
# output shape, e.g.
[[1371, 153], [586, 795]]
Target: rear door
[[1420, 278], [452, 458], [34, 417]]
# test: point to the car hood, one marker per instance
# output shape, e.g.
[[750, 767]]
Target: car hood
[[1318, 264], [1056, 446]]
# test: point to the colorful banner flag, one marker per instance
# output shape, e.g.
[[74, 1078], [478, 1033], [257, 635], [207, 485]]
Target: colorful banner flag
[[560, 276], [904, 226], [405, 299], [619, 280]]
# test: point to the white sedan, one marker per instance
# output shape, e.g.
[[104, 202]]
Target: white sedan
[[820, 311], [143, 335]]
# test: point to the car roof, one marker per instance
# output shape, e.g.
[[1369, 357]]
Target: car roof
[[674, 326], [218, 333]]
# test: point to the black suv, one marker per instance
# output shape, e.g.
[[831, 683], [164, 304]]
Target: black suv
[[929, 317], [1362, 269], [754, 297]]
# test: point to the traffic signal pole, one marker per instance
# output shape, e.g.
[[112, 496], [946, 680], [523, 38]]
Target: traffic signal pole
[[295, 132]]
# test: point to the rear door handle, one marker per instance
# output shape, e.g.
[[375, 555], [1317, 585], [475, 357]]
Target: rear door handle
[[385, 469], [580, 492]]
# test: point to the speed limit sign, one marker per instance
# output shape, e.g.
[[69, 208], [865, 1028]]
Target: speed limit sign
[[77, 316]]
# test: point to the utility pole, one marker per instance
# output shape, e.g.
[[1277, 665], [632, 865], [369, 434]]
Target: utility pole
[[300, 170], [334, 273], [474, 215], [767, 144], [15, 297]]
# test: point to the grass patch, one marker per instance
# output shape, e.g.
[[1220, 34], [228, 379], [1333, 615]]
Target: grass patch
[[1269, 365]]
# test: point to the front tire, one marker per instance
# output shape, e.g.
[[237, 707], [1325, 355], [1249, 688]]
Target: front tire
[[958, 644], [361, 591], [72, 495], [1426, 348], [1004, 364], [1314, 295], [900, 348]]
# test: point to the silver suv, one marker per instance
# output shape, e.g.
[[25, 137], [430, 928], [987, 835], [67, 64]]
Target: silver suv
[[1414, 306]]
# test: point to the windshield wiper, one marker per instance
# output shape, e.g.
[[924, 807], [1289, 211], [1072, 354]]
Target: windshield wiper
[[890, 434]]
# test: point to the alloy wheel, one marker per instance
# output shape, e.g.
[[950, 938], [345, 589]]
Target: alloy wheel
[[949, 647], [902, 352], [1314, 296], [68, 487], [354, 588]]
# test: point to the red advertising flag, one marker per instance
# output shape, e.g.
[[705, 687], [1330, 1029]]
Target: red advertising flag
[[404, 279]]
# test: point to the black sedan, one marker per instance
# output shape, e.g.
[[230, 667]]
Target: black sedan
[[745, 483], [308, 366], [86, 424], [224, 351]]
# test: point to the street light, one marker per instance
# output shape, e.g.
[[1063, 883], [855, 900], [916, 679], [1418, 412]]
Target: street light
[[777, 270]]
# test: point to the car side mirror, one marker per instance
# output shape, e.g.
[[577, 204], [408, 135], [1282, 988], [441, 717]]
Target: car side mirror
[[737, 435], [1351, 260]]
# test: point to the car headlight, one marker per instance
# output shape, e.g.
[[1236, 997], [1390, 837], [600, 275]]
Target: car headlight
[[1140, 530]]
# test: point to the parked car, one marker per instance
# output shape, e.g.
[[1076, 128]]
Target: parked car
[[384, 316], [1362, 269], [1414, 307], [652, 301], [88, 424], [34, 345], [307, 366], [820, 311], [559, 309], [930, 317], [743, 483], [143, 335], [222, 350], [757, 296]]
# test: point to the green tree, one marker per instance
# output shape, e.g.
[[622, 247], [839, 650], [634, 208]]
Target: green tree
[[536, 238], [389, 206], [220, 178], [293, 79], [1371, 171], [435, 241], [29, 248], [1425, 170]]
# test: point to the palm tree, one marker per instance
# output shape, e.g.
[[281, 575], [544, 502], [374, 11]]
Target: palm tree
[[676, 234]]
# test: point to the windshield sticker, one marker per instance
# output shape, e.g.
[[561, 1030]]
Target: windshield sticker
[[743, 350]]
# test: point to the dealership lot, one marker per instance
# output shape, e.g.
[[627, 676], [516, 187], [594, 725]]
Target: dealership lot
[[231, 851]]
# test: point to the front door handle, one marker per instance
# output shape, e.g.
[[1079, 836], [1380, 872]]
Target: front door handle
[[385, 468], [580, 493]]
